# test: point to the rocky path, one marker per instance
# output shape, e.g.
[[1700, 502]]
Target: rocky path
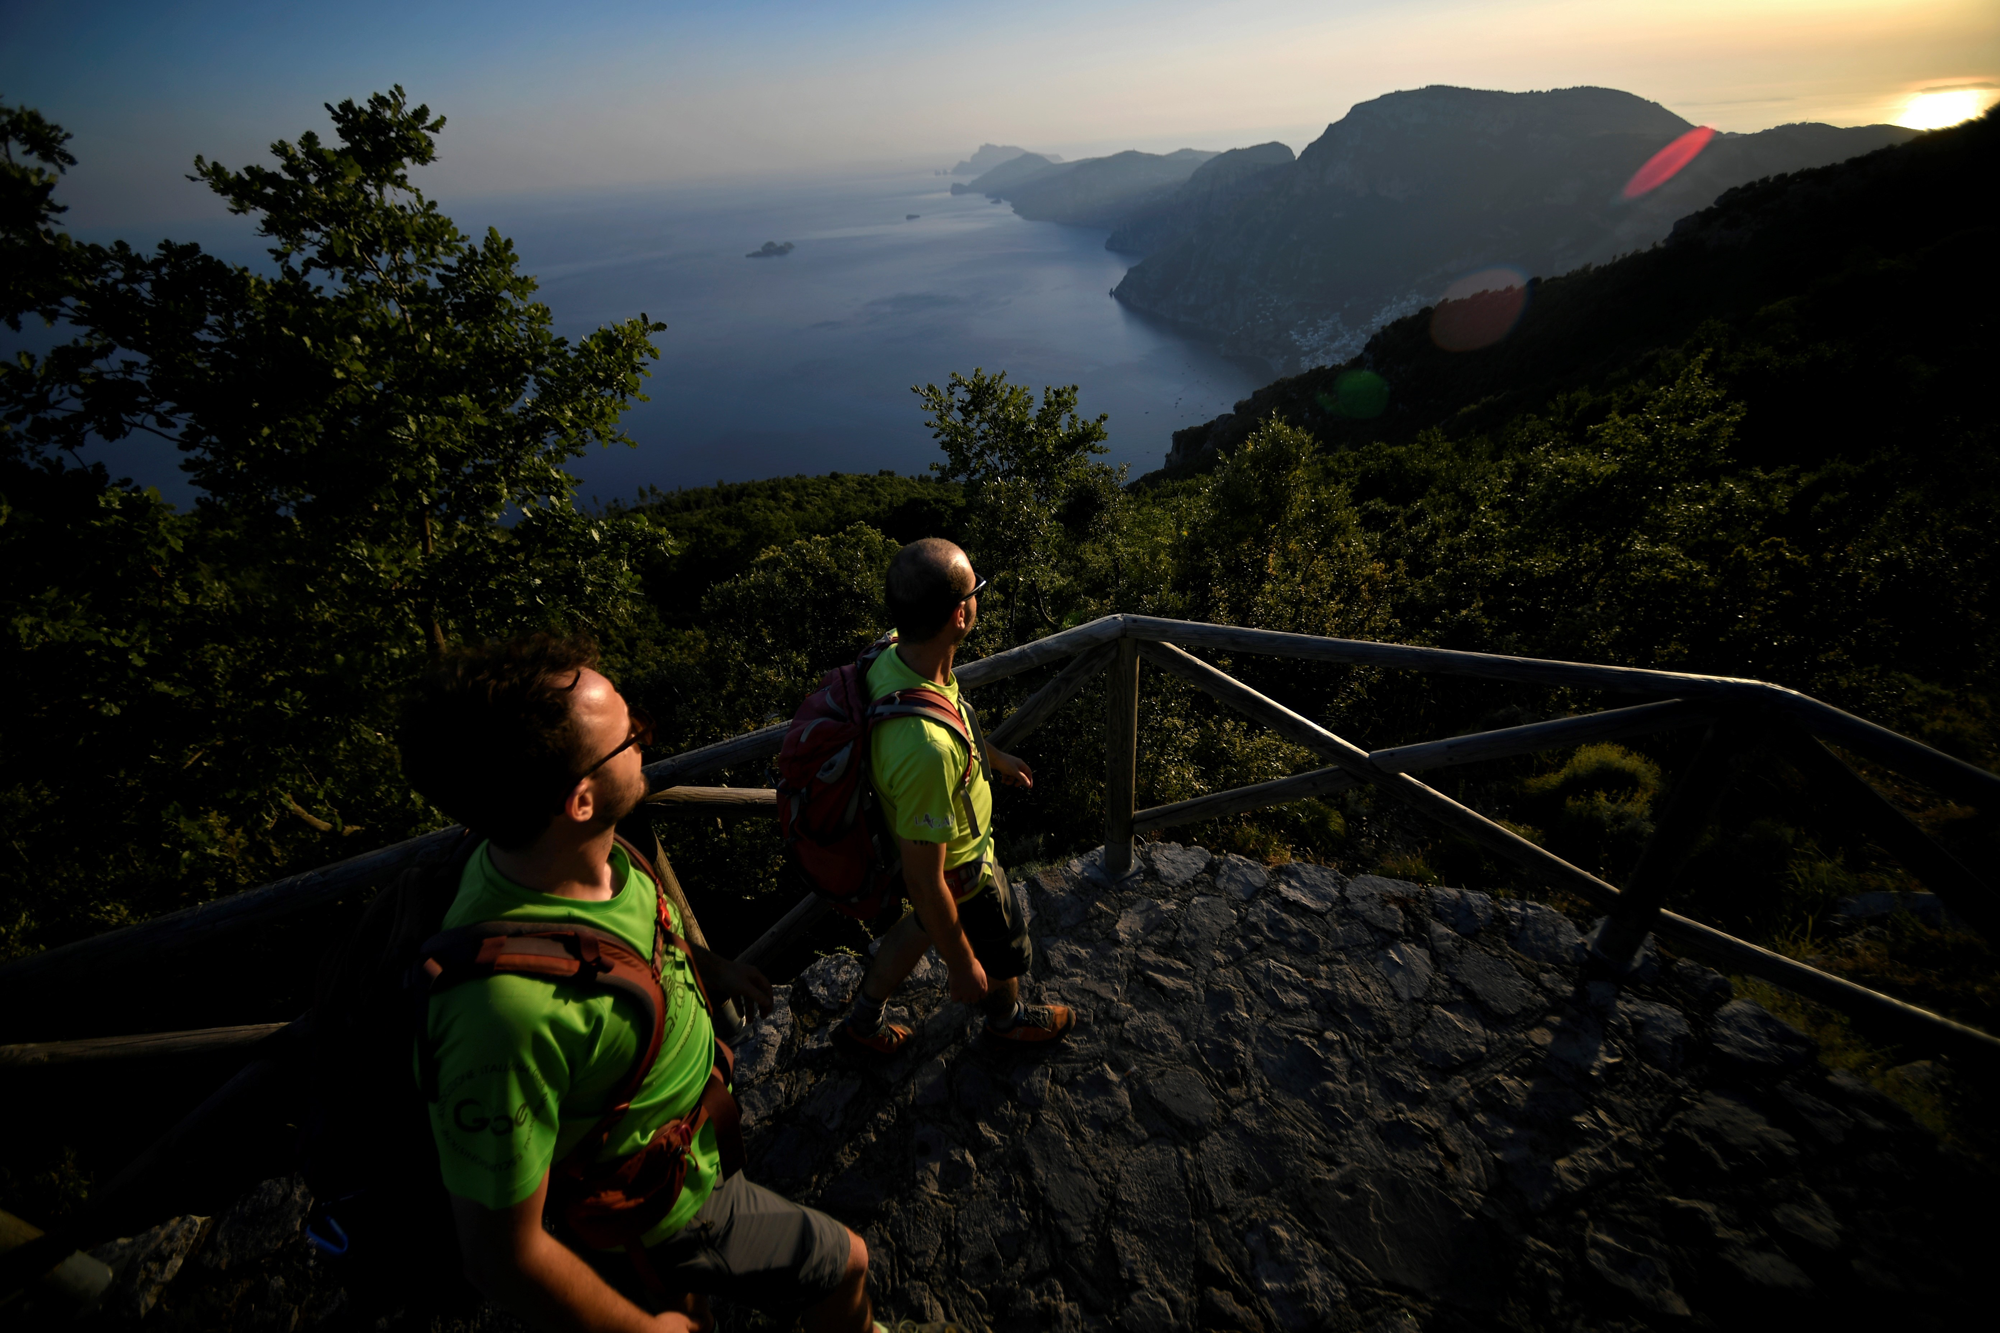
[[1295, 1101]]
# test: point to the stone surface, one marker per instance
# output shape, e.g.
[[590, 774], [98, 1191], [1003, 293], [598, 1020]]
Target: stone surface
[[1746, 1034], [1240, 877], [1298, 1102], [1176, 866], [1314, 888], [142, 1265], [260, 1224], [1380, 1108]]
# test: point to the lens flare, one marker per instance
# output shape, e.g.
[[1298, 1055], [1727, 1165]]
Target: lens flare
[[1664, 165], [1359, 394], [1479, 309]]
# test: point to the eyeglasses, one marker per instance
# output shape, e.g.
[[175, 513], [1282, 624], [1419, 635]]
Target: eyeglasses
[[642, 734], [977, 588]]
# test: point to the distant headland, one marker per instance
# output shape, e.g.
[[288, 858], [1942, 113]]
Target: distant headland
[[771, 250]]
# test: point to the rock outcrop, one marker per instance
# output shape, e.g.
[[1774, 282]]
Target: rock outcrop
[[991, 155], [1298, 1101], [1294, 1101], [1412, 190]]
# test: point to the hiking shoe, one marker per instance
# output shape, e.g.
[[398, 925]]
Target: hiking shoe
[[1039, 1022], [888, 1041]]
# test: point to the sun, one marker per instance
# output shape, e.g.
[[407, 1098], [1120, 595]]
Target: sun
[[1940, 107]]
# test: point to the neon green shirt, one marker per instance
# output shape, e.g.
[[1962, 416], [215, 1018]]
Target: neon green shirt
[[916, 765], [527, 1066]]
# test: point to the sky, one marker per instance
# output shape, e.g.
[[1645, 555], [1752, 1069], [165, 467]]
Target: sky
[[591, 96]]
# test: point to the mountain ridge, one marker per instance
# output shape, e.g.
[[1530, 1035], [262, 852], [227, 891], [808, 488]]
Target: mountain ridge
[[1409, 190]]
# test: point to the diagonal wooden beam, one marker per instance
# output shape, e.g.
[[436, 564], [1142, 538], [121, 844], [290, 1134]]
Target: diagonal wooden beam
[[1446, 753], [1857, 800], [199, 1041], [1872, 1010], [1949, 775], [1533, 737]]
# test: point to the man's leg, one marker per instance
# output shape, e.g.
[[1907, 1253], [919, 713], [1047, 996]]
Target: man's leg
[[864, 1033], [757, 1248], [1002, 1002], [998, 931], [903, 947], [846, 1308]]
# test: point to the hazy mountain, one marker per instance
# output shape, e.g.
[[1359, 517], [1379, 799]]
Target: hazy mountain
[[1008, 174], [1850, 304], [991, 155], [1097, 191], [1217, 186], [1410, 191]]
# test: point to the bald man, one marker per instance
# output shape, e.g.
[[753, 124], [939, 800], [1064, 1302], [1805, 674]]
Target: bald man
[[960, 900]]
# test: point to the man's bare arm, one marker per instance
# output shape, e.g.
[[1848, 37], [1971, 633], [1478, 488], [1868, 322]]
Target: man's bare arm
[[516, 1264], [727, 979], [923, 880]]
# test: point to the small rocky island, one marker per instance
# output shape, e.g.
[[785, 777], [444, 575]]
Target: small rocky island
[[1294, 1101], [771, 250]]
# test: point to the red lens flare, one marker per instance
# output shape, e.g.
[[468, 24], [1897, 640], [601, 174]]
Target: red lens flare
[[1480, 309], [1664, 165]]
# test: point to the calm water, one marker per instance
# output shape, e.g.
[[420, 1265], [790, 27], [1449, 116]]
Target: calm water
[[804, 363]]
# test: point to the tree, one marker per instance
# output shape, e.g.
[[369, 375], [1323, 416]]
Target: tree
[[1025, 470], [378, 426]]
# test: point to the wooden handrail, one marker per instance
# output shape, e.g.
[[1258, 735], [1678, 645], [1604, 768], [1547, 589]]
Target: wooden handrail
[[1695, 698], [1870, 1008], [1953, 777], [1508, 742], [209, 922], [200, 1041], [716, 800]]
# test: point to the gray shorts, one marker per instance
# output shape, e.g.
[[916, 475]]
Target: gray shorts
[[747, 1244]]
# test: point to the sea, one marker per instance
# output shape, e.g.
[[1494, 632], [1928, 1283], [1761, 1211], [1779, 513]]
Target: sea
[[805, 362]]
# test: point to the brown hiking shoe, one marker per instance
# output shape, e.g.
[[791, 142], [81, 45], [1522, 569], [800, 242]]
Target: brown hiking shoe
[[888, 1041], [1039, 1022]]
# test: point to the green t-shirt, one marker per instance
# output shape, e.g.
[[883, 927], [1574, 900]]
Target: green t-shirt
[[526, 1066], [916, 766]]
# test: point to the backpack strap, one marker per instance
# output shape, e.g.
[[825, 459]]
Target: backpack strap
[[664, 934], [933, 705], [556, 951]]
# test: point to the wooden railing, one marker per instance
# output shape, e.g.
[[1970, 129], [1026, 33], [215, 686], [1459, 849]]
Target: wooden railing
[[1736, 715]]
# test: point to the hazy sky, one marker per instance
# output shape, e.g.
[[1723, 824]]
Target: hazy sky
[[544, 96]]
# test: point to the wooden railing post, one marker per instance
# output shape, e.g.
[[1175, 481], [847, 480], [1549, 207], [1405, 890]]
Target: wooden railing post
[[1686, 813], [1121, 757]]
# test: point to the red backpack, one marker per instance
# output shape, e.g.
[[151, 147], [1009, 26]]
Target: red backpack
[[836, 842]]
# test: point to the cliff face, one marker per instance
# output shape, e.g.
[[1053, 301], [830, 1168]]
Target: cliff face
[[1414, 189], [1217, 186]]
